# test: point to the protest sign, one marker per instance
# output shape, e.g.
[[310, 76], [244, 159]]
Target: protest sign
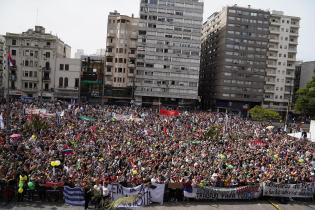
[[143, 195], [74, 196], [217, 193], [301, 190]]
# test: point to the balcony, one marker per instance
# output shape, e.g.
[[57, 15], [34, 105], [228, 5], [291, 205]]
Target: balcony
[[131, 65], [272, 65], [273, 57], [46, 69], [110, 54], [293, 42], [269, 91], [271, 82], [108, 73], [46, 79]]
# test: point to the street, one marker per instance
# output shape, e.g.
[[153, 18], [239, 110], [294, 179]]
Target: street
[[217, 205]]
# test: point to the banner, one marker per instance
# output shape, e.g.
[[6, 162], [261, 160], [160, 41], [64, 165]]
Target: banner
[[165, 112], [74, 196], [143, 195], [217, 193], [301, 190]]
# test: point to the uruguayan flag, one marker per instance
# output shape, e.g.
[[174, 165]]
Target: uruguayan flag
[[74, 196]]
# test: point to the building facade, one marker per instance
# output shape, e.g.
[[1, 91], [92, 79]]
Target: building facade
[[92, 76], [307, 73], [280, 72], [168, 52], [121, 47], [78, 53], [233, 59], [35, 53], [67, 78]]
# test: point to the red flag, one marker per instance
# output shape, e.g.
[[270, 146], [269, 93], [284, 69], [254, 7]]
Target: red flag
[[165, 112]]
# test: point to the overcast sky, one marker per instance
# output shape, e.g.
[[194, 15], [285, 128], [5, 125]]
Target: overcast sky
[[82, 24]]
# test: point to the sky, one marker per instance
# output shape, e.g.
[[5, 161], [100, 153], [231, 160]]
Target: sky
[[83, 23]]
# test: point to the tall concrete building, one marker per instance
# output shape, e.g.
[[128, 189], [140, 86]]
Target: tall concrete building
[[233, 59], [78, 53], [307, 73], [121, 47], [168, 53], [280, 72], [35, 53]]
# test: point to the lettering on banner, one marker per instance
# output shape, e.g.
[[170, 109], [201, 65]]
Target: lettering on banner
[[212, 193], [141, 194], [288, 190]]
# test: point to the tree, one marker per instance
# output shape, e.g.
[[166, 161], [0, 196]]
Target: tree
[[261, 114], [305, 102], [35, 124]]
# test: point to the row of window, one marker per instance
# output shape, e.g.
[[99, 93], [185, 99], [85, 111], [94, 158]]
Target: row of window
[[243, 89], [172, 82], [119, 70], [166, 90], [119, 79], [30, 85], [250, 34], [238, 47], [232, 95], [249, 62], [29, 43], [121, 50], [64, 67], [246, 20], [253, 14], [30, 73]]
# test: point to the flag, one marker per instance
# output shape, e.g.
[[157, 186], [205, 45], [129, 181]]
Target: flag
[[74, 196], [10, 60], [165, 112]]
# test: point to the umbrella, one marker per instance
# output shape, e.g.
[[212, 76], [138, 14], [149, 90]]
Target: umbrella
[[15, 135], [270, 127]]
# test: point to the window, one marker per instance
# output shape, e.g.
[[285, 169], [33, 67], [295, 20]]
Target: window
[[60, 81], [66, 82], [61, 67], [76, 84], [25, 85], [47, 54], [48, 43], [13, 42], [13, 52], [109, 68], [26, 63], [67, 67]]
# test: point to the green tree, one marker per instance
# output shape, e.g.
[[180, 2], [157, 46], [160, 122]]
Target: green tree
[[35, 124], [262, 114], [305, 102]]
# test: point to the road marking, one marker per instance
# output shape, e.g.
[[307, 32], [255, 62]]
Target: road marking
[[274, 205]]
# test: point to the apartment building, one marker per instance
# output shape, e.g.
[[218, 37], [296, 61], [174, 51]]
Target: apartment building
[[233, 59], [121, 47], [307, 73], [67, 78], [168, 52], [92, 79], [281, 60], [35, 53]]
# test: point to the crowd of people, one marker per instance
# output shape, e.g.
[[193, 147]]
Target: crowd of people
[[135, 145]]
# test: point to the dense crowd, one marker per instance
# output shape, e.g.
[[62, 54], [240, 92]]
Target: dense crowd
[[134, 145]]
